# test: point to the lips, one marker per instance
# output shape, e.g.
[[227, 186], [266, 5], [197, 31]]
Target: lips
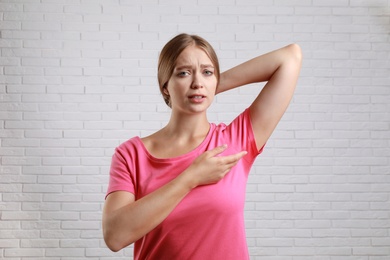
[[197, 98]]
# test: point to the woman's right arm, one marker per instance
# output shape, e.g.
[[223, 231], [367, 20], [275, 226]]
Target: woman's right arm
[[125, 220]]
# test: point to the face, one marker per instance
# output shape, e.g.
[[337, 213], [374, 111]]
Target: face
[[193, 83]]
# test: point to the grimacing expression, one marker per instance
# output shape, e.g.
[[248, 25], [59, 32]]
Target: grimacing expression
[[193, 83]]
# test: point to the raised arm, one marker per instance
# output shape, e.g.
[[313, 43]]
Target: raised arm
[[281, 69]]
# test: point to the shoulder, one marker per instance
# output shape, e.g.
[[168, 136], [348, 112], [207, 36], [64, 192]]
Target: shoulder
[[129, 146], [239, 121], [134, 141], [239, 133]]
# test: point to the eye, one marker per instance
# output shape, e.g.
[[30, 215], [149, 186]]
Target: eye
[[183, 73], [208, 72]]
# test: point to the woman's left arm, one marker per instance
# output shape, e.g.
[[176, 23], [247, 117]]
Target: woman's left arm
[[281, 69]]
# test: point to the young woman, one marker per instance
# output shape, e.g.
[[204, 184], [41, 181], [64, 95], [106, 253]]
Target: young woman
[[180, 192]]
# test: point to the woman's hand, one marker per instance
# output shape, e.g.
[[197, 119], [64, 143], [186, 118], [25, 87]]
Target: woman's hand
[[210, 168]]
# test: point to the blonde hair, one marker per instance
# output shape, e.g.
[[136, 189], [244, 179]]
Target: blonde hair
[[170, 53]]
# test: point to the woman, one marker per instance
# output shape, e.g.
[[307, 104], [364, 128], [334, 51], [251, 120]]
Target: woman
[[179, 193]]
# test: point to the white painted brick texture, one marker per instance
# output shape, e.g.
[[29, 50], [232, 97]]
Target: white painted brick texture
[[78, 77]]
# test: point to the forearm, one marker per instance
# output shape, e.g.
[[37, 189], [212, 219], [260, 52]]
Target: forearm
[[129, 223], [259, 69], [126, 220]]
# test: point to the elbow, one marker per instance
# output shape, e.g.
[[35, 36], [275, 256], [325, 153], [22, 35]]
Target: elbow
[[295, 52], [111, 242], [114, 242], [112, 247]]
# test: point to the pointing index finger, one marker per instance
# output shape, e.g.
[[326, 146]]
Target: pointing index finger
[[235, 157]]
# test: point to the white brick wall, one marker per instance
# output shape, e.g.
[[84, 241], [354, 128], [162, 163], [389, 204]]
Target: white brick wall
[[78, 77]]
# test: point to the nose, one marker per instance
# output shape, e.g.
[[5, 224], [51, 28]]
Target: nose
[[197, 81]]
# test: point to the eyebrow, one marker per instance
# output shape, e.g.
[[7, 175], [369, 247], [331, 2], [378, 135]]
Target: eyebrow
[[190, 66]]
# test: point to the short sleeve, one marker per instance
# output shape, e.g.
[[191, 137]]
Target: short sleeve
[[240, 134], [120, 174]]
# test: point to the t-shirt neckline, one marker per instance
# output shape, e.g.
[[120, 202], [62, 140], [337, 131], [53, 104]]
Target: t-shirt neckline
[[185, 155]]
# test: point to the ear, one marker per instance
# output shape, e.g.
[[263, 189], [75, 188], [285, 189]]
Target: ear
[[165, 90]]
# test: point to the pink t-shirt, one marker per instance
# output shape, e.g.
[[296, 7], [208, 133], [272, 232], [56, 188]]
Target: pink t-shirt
[[209, 222]]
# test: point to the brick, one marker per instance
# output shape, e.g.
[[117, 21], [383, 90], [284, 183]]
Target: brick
[[94, 161], [58, 234], [19, 234], [43, 26], [14, 206], [10, 215], [22, 252], [56, 179], [63, 125], [121, 10], [21, 197], [11, 7], [49, 134], [63, 71], [74, 252], [42, 170], [40, 243], [7, 25], [35, 206], [384, 251], [10, 169], [40, 225], [78, 134], [60, 161], [84, 188], [10, 115], [81, 9], [24, 161], [101, 18], [80, 225], [9, 243], [39, 188], [75, 26]]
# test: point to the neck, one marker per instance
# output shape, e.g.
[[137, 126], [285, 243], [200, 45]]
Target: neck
[[187, 127]]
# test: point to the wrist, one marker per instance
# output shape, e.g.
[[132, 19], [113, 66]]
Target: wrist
[[187, 180], [221, 87]]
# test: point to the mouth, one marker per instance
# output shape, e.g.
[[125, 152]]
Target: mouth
[[197, 98]]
